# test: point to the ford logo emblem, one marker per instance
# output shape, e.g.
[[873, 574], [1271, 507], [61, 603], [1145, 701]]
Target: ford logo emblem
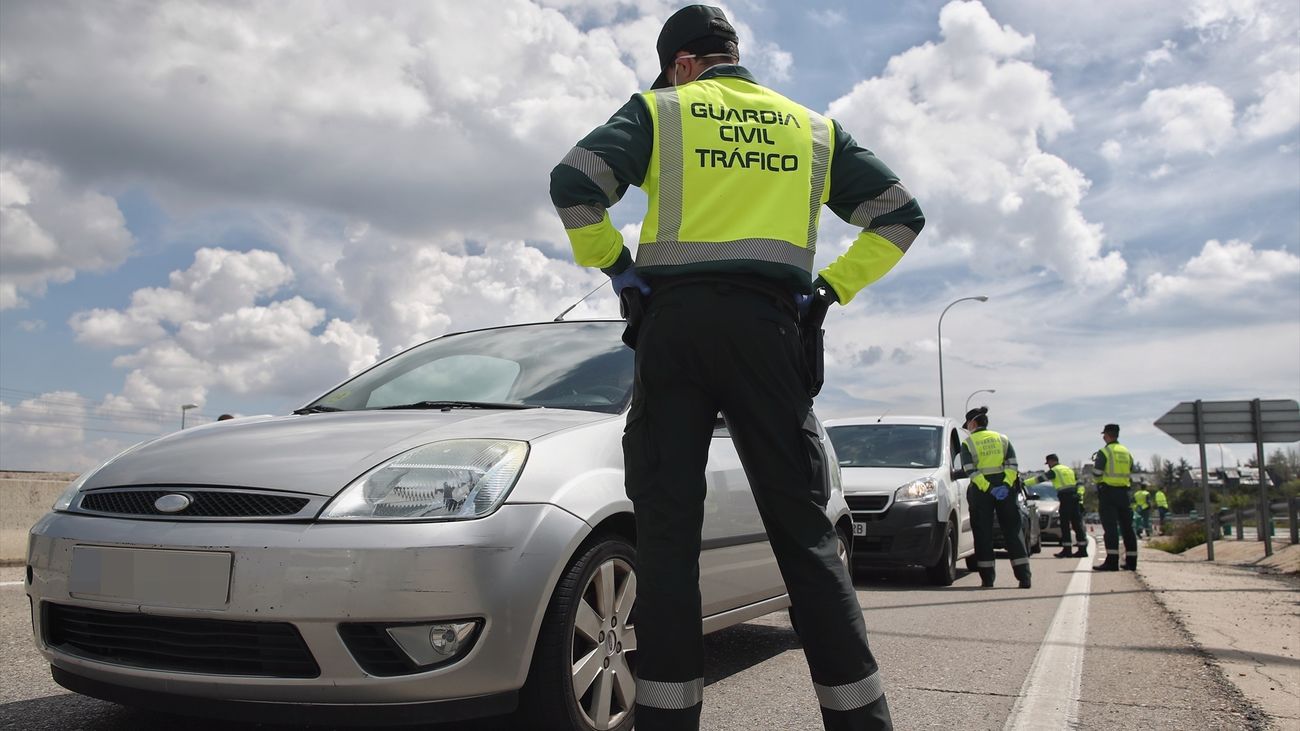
[[173, 503]]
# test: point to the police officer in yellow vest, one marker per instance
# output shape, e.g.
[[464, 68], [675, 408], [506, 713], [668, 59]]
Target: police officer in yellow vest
[[1162, 506], [1111, 466], [1142, 499], [1070, 494], [736, 176], [990, 460]]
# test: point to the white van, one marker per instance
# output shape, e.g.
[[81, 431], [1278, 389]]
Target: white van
[[906, 491]]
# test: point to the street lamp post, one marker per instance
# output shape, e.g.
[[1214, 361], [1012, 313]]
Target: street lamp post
[[982, 390], [184, 408], [982, 298]]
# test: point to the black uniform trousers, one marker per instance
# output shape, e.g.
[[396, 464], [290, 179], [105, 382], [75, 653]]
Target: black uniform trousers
[[1071, 517], [706, 347], [983, 507], [1116, 519]]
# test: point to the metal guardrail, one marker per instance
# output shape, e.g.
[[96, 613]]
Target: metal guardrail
[[1287, 511]]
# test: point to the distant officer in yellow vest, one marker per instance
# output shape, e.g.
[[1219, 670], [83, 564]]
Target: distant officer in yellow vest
[[990, 460], [1162, 506], [1070, 515], [1142, 499], [736, 176], [1111, 466]]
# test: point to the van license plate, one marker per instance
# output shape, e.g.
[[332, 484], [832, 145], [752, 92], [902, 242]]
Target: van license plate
[[859, 529]]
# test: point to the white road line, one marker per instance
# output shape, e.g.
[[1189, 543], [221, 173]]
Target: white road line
[[1049, 699], [12, 583]]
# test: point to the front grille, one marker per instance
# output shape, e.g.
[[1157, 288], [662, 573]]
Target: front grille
[[206, 503], [873, 544], [866, 502], [1044, 521], [210, 646], [374, 650]]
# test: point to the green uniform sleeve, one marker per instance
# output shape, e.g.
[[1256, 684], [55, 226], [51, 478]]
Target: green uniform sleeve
[[1099, 463], [865, 192], [594, 176], [1010, 465]]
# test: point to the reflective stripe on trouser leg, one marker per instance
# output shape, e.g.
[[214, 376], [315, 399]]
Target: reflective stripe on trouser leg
[[851, 696], [986, 564], [1019, 562], [669, 696]]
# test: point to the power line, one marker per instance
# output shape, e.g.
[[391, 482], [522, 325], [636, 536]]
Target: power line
[[81, 428]]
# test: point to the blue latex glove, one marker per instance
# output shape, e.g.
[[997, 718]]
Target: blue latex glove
[[801, 303], [629, 278], [1000, 492]]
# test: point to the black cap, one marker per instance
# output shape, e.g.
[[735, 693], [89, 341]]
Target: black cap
[[1052, 458], [1111, 429], [976, 412], [691, 23]]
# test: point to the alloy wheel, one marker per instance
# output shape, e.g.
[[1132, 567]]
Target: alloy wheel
[[604, 646]]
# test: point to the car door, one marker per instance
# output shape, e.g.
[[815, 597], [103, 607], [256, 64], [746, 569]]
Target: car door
[[737, 566], [965, 536]]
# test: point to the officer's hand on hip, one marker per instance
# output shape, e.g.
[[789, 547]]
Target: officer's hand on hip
[[630, 278], [1000, 492]]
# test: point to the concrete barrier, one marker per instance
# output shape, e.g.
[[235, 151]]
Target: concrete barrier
[[24, 498]]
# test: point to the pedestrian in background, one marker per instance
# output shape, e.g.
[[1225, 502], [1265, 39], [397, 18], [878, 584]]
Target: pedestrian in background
[[1162, 506], [990, 460], [1142, 500], [1070, 495], [1112, 466], [735, 176]]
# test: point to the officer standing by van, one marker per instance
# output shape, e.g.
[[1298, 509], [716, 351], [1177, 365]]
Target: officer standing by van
[[990, 460], [735, 176], [1111, 466], [1070, 494]]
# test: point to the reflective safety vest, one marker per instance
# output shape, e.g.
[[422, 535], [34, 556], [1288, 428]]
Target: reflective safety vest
[[1162, 500], [738, 174], [1140, 498], [1063, 479], [989, 449], [1119, 463]]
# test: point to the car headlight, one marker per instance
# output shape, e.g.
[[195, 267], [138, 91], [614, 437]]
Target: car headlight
[[924, 490], [64, 502], [451, 480]]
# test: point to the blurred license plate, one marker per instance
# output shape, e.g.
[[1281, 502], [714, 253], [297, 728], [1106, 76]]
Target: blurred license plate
[[157, 578], [859, 529]]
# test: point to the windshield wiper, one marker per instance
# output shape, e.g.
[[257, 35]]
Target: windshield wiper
[[459, 405], [315, 409]]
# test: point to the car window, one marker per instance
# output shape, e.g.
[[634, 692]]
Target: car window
[[570, 365], [887, 445]]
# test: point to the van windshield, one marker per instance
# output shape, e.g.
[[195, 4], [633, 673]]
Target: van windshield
[[887, 445]]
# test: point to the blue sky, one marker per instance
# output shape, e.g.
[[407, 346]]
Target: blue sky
[[237, 204]]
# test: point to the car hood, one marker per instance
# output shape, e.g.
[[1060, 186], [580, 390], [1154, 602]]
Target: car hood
[[316, 453], [881, 479], [1047, 506]]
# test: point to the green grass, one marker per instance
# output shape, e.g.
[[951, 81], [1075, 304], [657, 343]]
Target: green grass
[[1188, 535]]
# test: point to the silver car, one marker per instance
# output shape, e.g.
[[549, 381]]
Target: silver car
[[441, 537]]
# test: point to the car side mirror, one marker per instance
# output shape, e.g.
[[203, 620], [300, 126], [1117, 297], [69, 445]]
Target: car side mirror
[[959, 474]]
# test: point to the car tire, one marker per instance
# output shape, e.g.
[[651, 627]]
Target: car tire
[[587, 642], [971, 564], [944, 571], [846, 556]]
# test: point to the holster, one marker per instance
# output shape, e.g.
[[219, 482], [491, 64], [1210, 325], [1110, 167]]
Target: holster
[[631, 305], [814, 343]]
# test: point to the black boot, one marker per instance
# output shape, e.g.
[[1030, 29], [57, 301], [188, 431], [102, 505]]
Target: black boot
[[1131, 562], [1110, 564], [1022, 575], [1082, 552], [1064, 553], [986, 578]]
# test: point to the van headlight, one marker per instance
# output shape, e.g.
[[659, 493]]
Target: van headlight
[[924, 490], [451, 480]]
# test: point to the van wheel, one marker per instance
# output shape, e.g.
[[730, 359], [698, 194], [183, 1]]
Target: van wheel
[[583, 674], [846, 557], [944, 571]]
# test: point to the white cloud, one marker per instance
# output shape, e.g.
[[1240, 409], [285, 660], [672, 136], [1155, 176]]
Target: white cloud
[[52, 230], [827, 17], [1193, 118], [55, 431], [961, 122], [1226, 276], [1278, 110], [209, 330], [1112, 150]]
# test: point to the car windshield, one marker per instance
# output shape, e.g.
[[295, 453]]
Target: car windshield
[[887, 445], [566, 365], [1044, 492]]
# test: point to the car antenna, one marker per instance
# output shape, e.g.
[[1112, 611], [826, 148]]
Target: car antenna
[[560, 317], [882, 416]]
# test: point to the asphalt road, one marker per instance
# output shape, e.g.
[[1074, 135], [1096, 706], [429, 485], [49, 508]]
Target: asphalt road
[[957, 657]]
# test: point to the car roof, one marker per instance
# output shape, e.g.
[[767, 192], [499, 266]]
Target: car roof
[[876, 419]]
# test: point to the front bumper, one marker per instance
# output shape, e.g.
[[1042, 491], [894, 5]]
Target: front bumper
[[904, 534], [499, 570]]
